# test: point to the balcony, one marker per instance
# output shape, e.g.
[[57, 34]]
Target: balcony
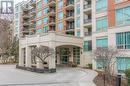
[[69, 5], [87, 22], [25, 30], [33, 11], [25, 24], [87, 33], [52, 22], [87, 8], [51, 2], [70, 28], [51, 12], [70, 17], [25, 16]]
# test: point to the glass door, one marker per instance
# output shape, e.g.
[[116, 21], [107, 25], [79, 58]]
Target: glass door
[[64, 54]]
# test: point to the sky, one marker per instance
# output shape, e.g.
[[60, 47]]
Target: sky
[[17, 1]]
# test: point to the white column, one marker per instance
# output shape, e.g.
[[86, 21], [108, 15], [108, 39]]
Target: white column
[[58, 56], [81, 57], [28, 57], [21, 57], [52, 64]]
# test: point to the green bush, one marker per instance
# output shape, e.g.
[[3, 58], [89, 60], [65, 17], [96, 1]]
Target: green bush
[[127, 73], [89, 66]]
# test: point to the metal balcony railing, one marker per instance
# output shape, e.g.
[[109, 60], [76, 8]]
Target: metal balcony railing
[[87, 21], [86, 6], [70, 3], [70, 15], [88, 33]]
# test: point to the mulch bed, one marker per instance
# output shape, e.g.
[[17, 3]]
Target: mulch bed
[[100, 80]]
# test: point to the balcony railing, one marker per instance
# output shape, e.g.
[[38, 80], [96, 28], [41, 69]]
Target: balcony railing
[[86, 6], [70, 3], [52, 20], [88, 33], [70, 28], [51, 1], [70, 15], [87, 21], [51, 10]]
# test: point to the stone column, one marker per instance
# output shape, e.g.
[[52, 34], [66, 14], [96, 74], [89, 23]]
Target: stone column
[[28, 56], [21, 56], [58, 56], [81, 57], [52, 64]]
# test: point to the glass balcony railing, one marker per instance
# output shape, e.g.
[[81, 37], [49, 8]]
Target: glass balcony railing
[[87, 21]]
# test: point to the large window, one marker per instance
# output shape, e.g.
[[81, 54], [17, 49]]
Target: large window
[[39, 14], [76, 53], [45, 29], [78, 22], [45, 20], [78, 33], [123, 16], [60, 15], [118, 1], [102, 43], [45, 11], [39, 22], [101, 5], [101, 24], [45, 1], [87, 45], [123, 63], [60, 26], [123, 40], [39, 5], [78, 9], [60, 4]]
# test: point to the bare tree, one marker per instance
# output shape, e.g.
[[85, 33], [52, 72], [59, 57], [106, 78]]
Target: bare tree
[[42, 53], [5, 37], [107, 58]]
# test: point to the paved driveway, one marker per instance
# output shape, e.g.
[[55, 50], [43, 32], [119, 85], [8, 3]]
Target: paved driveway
[[9, 76]]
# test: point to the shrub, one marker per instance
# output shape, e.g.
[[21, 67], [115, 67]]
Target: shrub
[[127, 73], [89, 66]]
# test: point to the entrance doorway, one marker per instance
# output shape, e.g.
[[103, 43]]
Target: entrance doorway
[[64, 54]]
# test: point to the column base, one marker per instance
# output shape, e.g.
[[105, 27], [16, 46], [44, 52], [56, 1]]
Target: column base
[[37, 70]]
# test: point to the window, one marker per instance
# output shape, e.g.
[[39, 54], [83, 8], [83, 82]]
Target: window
[[118, 1], [77, 0], [45, 20], [101, 24], [78, 33], [16, 15], [101, 5], [123, 63], [78, 9], [78, 22], [39, 22], [60, 4], [39, 5], [45, 29], [45, 1], [87, 45], [60, 26], [39, 14], [76, 54], [123, 16], [123, 40], [39, 31], [16, 8], [60, 15], [45, 11], [101, 63], [102, 42]]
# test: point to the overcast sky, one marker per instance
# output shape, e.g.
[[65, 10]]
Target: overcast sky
[[17, 1]]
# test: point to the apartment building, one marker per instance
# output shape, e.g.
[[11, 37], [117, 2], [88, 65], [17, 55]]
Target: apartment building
[[111, 19], [75, 28], [25, 18]]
